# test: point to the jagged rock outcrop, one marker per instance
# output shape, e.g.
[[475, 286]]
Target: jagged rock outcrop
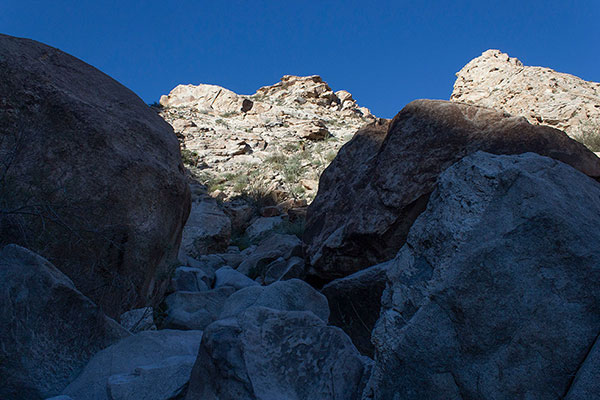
[[542, 95], [379, 183], [264, 143], [91, 177], [203, 97], [495, 294], [48, 329], [266, 354]]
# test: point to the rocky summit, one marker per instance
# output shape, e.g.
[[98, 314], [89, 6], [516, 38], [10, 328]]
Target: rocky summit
[[542, 95], [290, 245]]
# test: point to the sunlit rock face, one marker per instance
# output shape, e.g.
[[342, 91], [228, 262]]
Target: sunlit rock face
[[542, 95]]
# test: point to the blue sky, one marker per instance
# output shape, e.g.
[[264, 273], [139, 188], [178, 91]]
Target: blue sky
[[386, 53]]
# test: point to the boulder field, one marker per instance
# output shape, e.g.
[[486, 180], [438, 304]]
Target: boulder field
[[451, 253]]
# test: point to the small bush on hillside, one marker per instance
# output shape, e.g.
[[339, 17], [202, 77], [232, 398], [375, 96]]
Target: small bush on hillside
[[590, 136], [292, 170], [190, 157], [259, 195], [277, 160], [229, 114], [298, 191], [330, 155]]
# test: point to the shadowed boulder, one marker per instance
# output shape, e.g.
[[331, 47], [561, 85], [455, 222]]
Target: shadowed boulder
[[496, 293], [90, 177], [380, 182], [48, 329]]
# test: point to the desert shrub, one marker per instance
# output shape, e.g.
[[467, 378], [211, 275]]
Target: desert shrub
[[240, 183], [259, 195], [292, 170], [330, 155], [298, 191], [277, 160], [190, 157], [210, 181], [293, 146], [589, 135]]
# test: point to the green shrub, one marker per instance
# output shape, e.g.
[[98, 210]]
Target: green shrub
[[229, 114], [330, 155], [190, 157], [298, 191], [292, 170], [240, 183], [277, 159]]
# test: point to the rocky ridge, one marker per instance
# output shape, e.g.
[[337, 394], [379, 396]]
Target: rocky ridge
[[276, 141], [540, 94]]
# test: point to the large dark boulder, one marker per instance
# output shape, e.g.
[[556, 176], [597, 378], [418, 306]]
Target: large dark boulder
[[90, 177], [48, 329], [380, 182], [496, 293]]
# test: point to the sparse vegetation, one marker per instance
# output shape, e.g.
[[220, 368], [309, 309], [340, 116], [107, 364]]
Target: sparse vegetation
[[298, 191], [190, 157], [240, 183], [259, 195], [292, 170], [229, 114], [330, 155], [590, 136], [277, 159]]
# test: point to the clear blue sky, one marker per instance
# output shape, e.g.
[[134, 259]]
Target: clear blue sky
[[386, 53]]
